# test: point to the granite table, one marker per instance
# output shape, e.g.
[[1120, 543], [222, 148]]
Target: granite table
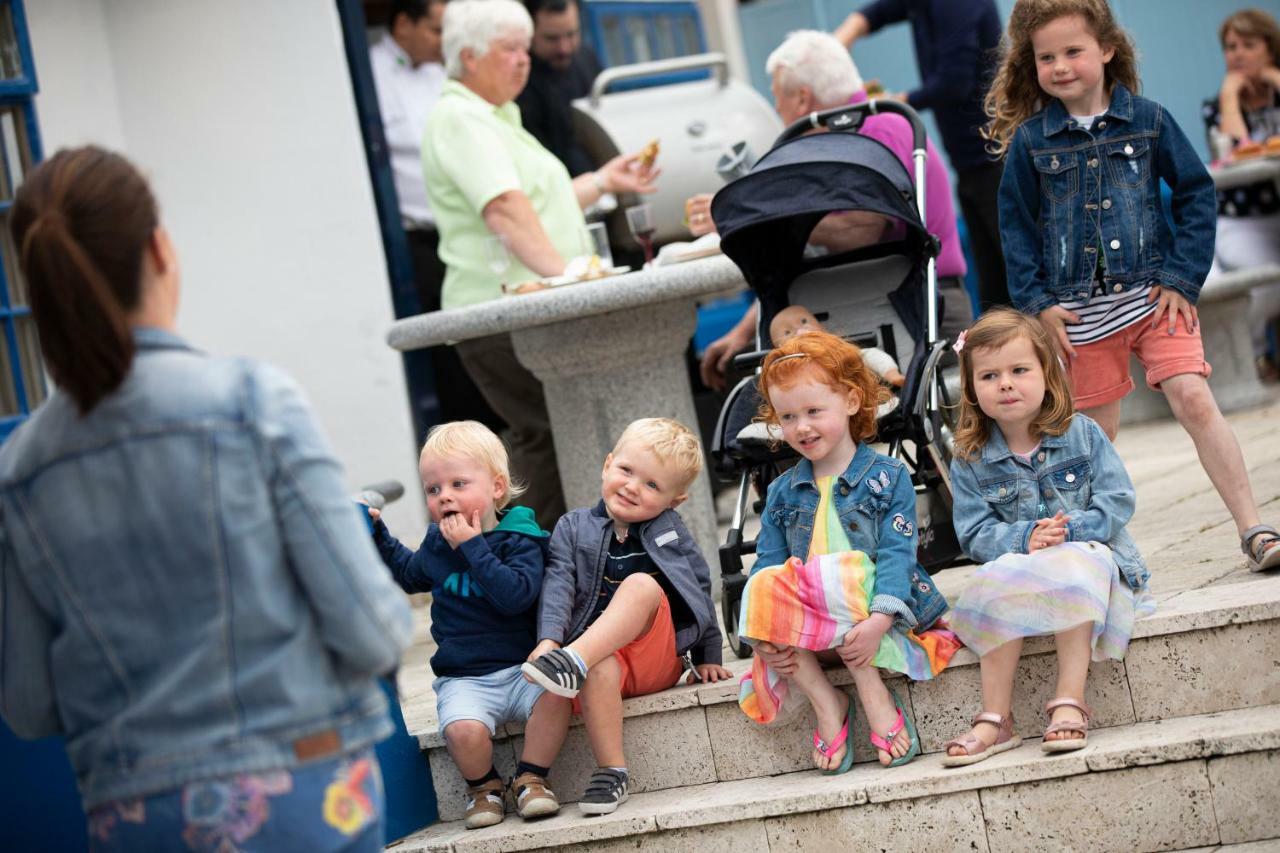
[[607, 352], [1230, 175]]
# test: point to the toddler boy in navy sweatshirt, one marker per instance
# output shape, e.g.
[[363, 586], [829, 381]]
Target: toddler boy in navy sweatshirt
[[482, 560]]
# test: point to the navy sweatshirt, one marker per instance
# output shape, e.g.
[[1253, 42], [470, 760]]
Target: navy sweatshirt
[[484, 595]]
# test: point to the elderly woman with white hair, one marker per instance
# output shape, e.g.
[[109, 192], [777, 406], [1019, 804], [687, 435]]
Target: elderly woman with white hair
[[492, 186], [811, 71]]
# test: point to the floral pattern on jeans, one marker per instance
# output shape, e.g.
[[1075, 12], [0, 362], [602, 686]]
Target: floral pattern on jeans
[[348, 807], [220, 815]]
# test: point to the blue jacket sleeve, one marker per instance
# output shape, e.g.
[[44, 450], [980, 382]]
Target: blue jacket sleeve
[[883, 12], [512, 576], [1020, 229], [1111, 496], [408, 568], [361, 618], [559, 585], [957, 55], [1194, 207], [771, 542], [27, 700], [895, 555], [983, 536]]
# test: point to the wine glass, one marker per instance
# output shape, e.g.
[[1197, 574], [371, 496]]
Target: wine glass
[[640, 221], [496, 256]]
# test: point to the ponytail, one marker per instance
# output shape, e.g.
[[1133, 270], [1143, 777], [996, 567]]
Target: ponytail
[[82, 221]]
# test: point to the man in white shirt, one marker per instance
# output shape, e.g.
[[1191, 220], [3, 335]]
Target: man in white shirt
[[408, 75]]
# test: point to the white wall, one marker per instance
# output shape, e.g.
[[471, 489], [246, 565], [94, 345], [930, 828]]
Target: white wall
[[241, 113]]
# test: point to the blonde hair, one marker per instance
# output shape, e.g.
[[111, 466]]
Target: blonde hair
[[993, 330], [1015, 93], [473, 440], [670, 441], [835, 362], [1253, 23]]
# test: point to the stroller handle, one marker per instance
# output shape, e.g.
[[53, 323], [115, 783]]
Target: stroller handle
[[852, 116]]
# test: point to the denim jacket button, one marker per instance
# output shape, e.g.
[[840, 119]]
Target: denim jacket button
[[1093, 162], [853, 525], [1003, 491], [1128, 149], [1040, 456], [844, 489], [1115, 244], [1106, 204], [1102, 123], [1070, 478], [1117, 288]]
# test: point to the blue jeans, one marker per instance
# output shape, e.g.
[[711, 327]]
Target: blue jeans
[[331, 806]]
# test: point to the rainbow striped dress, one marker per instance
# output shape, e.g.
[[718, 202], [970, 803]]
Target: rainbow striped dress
[[813, 604]]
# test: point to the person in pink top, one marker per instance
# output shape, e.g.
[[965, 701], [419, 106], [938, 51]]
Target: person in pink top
[[811, 71]]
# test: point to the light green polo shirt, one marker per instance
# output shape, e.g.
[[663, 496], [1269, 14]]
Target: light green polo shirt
[[473, 152]]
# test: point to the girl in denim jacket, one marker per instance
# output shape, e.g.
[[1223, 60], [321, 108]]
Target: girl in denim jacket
[[1041, 499], [1086, 243], [836, 559]]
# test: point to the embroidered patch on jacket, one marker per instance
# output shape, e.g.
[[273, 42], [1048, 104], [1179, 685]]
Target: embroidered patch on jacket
[[903, 526], [669, 536], [878, 484]]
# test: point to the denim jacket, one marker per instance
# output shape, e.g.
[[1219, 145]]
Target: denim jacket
[[1069, 193], [999, 496], [876, 504], [187, 590]]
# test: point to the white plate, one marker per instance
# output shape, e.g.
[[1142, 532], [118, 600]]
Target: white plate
[[560, 280]]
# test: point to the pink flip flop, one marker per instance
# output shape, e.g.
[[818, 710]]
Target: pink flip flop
[[828, 749]]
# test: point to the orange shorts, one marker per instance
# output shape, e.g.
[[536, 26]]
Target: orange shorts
[[649, 663], [1100, 371]]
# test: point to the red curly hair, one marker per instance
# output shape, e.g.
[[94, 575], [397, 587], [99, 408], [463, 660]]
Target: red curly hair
[[826, 358]]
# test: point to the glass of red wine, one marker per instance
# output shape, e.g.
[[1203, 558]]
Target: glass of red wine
[[640, 221]]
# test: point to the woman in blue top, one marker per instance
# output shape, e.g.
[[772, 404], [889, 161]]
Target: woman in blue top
[[190, 598], [1086, 244]]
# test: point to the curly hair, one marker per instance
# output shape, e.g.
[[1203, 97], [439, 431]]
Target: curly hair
[[1253, 23], [829, 359], [1015, 93], [993, 330]]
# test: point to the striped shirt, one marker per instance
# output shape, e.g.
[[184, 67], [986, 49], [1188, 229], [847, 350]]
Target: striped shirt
[[626, 557], [1106, 313]]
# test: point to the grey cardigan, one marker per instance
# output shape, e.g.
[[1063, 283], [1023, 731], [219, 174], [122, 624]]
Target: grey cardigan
[[575, 572]]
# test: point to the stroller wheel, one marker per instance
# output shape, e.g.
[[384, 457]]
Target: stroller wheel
[[730, 601]]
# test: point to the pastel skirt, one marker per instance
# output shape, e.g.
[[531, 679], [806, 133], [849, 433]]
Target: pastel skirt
[[1033, 595]]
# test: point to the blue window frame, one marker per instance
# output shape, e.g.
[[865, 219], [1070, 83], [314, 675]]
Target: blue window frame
[[624, 32], [22, 383]]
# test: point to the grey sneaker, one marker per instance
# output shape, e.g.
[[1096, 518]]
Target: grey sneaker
[[606, 790]]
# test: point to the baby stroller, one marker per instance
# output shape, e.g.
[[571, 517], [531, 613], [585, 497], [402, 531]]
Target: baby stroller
[[884, 295]]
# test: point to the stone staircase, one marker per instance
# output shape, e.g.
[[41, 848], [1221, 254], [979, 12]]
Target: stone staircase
[[1185, 753]]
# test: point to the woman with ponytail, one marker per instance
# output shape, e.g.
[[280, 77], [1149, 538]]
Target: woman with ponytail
[[189, 597]]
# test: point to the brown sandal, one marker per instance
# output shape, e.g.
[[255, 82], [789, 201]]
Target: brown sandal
[[1070, 744], [974, 749]]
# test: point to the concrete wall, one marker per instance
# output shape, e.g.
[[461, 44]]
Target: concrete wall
[[241, 113]]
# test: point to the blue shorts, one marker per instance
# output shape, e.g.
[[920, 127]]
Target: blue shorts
[[493, 699]]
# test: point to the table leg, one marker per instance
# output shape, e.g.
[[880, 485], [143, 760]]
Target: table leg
[[602, 372]]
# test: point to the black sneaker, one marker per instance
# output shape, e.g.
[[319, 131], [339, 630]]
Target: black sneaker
[[606, 790], [557, 672]]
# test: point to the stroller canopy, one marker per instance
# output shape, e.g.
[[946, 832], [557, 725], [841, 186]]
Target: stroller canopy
[[765, 217]]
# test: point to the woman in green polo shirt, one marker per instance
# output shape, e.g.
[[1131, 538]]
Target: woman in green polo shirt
[[487, 177]]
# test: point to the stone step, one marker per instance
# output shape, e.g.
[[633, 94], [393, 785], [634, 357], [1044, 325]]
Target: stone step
[[1206, 650], [1194, 781]]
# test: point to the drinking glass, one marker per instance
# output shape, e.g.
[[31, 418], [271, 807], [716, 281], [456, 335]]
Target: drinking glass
[[496, 256], [640, 221], [600, 243]]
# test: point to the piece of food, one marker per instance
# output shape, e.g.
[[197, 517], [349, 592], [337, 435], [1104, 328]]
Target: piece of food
[[1272, 145], [875, 89], [524, 287], [595, 269], [649, 154], [1248, 150]]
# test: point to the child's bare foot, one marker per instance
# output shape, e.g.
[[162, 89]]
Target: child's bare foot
[[1067, 713], [882, 715], [832, 714]]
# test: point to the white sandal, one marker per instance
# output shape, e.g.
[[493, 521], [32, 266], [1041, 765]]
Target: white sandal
[[1261, 544]]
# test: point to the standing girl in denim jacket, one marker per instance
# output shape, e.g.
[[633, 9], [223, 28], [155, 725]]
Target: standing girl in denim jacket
[[1086, 243], [1041, 499], [189, 596], [836, 559]]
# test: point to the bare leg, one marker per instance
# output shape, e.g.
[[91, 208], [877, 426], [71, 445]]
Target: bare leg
[[829, 703], [546, 730], [629, 614], [470, 747], [881, 712], [601, 699], [1194, 407], [1073, 671], [1108, 417], [998, 667]]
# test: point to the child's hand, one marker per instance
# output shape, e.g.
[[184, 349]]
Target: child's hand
[[375, 514], [1054, 319], [1173, 303], [709, 672], [1048, 532], [456, 529], [863, 640], [781, 660], [538, 651]]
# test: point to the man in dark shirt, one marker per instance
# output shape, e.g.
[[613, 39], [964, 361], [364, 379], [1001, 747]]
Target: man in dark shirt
[[955, 43], [561, 69]]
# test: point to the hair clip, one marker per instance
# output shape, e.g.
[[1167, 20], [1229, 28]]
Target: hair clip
[[959, 344], [791, 355]]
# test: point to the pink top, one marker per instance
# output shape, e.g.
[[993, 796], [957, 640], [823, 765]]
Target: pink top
[[894, 132]]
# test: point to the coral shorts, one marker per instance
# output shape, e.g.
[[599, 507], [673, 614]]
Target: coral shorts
[[1100, 371], [649, 663]]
